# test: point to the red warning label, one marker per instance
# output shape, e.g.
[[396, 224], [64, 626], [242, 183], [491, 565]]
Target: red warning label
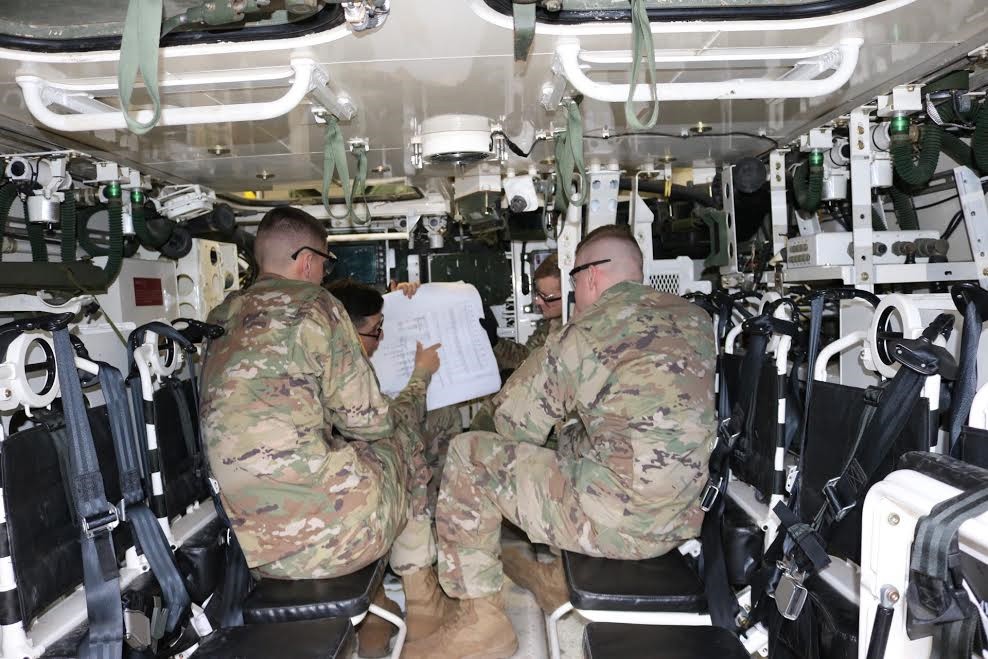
[[147, 292]]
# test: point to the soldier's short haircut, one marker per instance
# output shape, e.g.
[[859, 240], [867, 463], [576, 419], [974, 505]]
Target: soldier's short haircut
[[548, 268], [618, 233], [291, 225], [360, 300]]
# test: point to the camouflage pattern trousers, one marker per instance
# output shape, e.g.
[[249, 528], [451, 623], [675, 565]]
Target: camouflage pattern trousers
[[395, 514], [489, 478], [415, 548]]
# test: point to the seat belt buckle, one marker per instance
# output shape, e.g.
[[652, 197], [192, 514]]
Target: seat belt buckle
[[791, 476], [710, 494], [837, 508], [99, 524], [790, 593], [725, 435], [214, 484], [137, 629]]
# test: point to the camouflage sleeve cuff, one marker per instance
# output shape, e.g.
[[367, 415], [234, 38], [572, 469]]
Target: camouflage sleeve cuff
[[421, 374]]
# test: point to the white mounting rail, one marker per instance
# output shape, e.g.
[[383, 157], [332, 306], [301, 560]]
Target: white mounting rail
[[799, 82], [90, 114]]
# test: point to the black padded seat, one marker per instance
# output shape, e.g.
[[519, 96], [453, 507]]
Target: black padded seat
[[305, 639], [183, 486], [758, 468], [282, 600], [42, 531], [667, 583], [605, 640], [974, 446], [834, 415], [201, 560]]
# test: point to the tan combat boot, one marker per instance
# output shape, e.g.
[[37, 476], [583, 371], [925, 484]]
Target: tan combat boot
[[476, 629], [425, 603], [374, 633], [544, 580]]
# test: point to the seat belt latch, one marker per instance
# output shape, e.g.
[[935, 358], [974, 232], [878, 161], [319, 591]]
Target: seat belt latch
[[790, 593], [99, 524], [214, 484], [710, 494], [836, 506], [137, 629]]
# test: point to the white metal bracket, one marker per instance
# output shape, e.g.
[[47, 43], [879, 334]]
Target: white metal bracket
[[972, 199], [602, 197], [864, 267], [727, 187], [780, 209]]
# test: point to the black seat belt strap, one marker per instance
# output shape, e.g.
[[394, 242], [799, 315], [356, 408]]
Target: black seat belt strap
[[972, 302], [149, 533], [189, 430], [97, 516], [938, 605]]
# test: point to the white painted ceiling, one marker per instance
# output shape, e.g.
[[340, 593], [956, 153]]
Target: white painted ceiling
[[443, 56]]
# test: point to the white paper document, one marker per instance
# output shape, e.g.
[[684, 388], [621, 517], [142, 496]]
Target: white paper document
[[445, 313]]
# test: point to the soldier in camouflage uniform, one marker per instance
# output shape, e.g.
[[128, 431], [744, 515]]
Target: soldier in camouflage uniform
[[414, 551], [510, 355], [637, 367], [549, 300], [287, 372]]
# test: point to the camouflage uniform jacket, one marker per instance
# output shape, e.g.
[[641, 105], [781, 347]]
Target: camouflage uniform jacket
[[510, 354], [637, 368], [288, 370]]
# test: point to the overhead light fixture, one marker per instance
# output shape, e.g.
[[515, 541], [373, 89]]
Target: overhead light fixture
[[219, 150], [264, 175]]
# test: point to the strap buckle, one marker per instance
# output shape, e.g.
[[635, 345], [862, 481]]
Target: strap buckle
[[137, 629], [790, 593], [710, 494], [101, 523], [214, 484], [837, 508], [724, 433]]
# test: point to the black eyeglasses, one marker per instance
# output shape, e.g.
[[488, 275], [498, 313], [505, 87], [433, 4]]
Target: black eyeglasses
[[376, 334], [581, 268], [327, 265], [548, 299]]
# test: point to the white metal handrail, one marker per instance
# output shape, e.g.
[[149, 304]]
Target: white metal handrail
[[93, 115], [842, 59]]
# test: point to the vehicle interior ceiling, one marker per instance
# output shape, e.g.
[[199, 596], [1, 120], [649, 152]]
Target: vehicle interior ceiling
[[810, 172]]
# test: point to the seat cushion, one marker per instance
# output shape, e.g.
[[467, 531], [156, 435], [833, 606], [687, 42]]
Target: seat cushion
[[201, 560], [666, 583], [282, 600], [613, 641], [306, 639]]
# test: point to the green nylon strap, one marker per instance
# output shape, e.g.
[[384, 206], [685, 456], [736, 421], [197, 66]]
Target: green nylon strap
[[360, 183], [334, 158], [139, 52], [569, 160], [641, 47]]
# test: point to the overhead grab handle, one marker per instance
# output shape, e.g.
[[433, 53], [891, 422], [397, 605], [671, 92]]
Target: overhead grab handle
[[841, 59], [90, 114]]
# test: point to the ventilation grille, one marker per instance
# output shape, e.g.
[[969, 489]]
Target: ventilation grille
[[666, 282]]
